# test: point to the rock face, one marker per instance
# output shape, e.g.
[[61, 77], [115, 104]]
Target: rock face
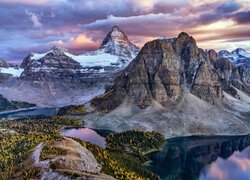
[[162, 71], [241, 60], [228, 75]]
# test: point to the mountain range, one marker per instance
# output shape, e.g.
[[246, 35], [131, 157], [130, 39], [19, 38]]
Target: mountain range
[[170, 85], [59, 78], [177, 88]]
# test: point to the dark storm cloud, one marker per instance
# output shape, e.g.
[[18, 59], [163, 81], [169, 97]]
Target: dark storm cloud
[[228, 7], [219, 11], [242, 17]]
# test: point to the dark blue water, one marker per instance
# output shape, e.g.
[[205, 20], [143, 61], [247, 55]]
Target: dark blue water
[[30, 112], [203, 157]]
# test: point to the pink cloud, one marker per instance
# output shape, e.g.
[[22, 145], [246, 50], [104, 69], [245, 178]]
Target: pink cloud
[[32, 2]]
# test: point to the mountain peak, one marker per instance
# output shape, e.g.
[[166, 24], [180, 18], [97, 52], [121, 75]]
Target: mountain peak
[[240, 49], [183, 35], [116, 28], [59, 48], [117, 43]]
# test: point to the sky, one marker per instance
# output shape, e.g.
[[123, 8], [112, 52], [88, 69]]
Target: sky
[[81, 25]]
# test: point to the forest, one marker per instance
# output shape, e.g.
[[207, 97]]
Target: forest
[[123, 158], [19, 136]]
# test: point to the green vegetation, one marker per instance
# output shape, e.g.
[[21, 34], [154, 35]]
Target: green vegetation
[[48, 151], [135, 141], [20, 136], [124, 156], [6, 105], [72, 110]]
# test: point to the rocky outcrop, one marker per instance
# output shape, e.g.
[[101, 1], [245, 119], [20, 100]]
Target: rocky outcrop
[[75, 161], [161, 72]]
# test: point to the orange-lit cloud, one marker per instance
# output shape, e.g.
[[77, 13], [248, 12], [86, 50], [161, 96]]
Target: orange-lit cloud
[[81, 43]]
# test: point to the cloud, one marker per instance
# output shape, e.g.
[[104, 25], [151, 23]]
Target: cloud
[[45, 34], [228, 7], [81, 43], [237, 166], [34, 19], [214, 23], [242, 17], [145, 24], [33, 2]]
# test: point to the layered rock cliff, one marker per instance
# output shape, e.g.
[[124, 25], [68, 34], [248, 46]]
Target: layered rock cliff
[[162, 71]]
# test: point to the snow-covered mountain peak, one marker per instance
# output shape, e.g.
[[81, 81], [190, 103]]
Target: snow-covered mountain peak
[[240, 57], [241, 52], [117, 34], [117, 43], [59, 49], [115, 53]]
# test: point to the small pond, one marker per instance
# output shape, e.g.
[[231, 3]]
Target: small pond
[[97, 137]]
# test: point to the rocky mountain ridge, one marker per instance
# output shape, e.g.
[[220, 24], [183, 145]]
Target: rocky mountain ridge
[[115, 52], [177, 89], [162, 71], [60, 78]]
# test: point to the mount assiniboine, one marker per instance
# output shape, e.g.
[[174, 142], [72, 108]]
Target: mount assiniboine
[[59, 78]]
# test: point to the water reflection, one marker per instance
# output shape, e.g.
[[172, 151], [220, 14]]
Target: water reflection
[[237, 166], [185, 157], [29, 112], [85, 134]]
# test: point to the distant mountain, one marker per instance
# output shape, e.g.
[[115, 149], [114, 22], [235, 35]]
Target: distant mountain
[[60, 78], [115, 52], [239, 56], [241, 59]]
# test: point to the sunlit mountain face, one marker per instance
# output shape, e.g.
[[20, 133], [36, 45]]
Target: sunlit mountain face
[[80, 26]]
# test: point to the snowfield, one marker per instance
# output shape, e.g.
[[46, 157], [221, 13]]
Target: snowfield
[[98, 58], [14, 72]]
